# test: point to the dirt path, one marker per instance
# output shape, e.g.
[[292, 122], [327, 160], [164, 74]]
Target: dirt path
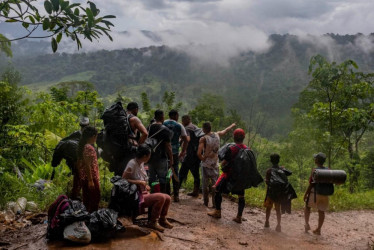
[[344, 230]]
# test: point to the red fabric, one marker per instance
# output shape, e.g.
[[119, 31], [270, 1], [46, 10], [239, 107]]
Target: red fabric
[[91, 198], [159, 202], [234, 151], [239, 133]]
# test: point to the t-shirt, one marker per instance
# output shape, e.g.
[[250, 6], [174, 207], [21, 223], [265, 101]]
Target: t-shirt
[[178, 131], [164, 136], [136, 172]]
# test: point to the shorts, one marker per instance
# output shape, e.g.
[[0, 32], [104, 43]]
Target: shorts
[[321, 203]]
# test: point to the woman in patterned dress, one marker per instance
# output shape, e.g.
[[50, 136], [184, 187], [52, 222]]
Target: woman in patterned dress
[[88, 169]]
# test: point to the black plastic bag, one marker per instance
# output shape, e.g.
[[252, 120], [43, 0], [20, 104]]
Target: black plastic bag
[[103, 224], [124, 197], [76, 212]]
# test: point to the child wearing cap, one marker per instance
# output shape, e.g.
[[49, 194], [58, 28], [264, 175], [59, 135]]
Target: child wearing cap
[[318, 201]]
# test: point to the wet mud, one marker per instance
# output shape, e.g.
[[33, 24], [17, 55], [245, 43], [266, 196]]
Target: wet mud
[[194, 229]]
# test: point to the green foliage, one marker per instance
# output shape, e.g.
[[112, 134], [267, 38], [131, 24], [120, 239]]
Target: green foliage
[[5, 46], [63, 18]]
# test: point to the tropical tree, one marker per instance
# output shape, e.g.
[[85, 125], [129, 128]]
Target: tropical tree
[[58, 18]]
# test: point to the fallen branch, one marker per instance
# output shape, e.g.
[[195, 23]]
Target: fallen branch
[[178, 238]]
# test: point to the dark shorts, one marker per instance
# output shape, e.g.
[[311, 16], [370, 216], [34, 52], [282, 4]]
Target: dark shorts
[[221, 187]]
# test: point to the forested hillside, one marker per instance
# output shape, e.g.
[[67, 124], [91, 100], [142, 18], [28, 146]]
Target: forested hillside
[[268, 82]]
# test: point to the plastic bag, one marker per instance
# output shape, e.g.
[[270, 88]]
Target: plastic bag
[[31, 206], [20, 205], [77, 232], [76, 212], [103, 224]]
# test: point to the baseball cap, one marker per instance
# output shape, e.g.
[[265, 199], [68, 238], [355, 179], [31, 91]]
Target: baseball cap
[[239, 133], [320, 155], [84, 121]]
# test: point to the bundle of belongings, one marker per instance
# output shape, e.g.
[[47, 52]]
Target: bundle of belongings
[[68, 219], [244, 173], [280, 190], [124, 197]]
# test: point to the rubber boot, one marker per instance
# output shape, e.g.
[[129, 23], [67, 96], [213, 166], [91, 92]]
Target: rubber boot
[[238, 219], [195, 192], [215, 213], [176, 196]]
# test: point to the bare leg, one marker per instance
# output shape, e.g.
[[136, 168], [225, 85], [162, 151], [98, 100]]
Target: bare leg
[[268, 211], [278, 210], [306, 216], [321, 219]]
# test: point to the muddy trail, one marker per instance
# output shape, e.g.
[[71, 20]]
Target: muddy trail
[[194, 229]]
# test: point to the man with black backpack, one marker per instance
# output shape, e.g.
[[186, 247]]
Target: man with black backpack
[[191, 162], [161, 151], [317, 196], [239, 173]]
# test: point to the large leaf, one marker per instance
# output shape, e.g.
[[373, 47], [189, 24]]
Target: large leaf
[[90, 17], [48, 7], [46, 24], [54, 44], [56, 4]]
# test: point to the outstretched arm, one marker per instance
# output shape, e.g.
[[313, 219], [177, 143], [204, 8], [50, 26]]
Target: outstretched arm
[[223, 132]]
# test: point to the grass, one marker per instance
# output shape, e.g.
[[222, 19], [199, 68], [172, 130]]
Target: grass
[[44, 86]]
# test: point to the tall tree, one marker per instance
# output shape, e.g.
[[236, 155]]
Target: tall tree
[[61, 18]]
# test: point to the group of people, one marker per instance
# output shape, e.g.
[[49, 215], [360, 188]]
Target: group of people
[[154, 164]]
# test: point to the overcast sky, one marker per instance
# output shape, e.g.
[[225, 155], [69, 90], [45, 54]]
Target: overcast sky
[[238, 24]]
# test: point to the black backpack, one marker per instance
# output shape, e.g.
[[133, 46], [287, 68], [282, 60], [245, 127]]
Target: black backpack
[[278, 184], [244, 173], [324, 188], [114, 139], [193, 144]]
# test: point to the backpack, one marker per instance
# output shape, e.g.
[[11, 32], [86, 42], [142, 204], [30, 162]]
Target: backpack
[[193, 144], [152, 142], [55, 229], [278, 184], [324, 188], [244, 173], [114, 139], [66, 149]]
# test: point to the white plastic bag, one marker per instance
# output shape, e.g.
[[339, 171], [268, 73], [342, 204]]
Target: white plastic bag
[[77, 232], [20, 205], [31, 206]]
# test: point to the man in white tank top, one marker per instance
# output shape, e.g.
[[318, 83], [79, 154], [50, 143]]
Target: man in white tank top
[[208, 154]]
